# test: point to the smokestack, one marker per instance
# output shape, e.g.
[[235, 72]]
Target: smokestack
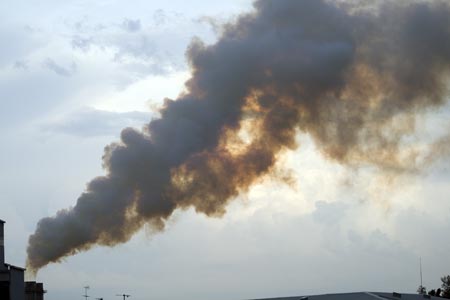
[[2, 245], [353, 78]]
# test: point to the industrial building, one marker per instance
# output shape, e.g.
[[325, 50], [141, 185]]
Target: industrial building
[[34, 290], [12, 278]]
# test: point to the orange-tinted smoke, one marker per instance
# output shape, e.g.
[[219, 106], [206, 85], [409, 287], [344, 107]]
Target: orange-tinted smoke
[[353, 79]]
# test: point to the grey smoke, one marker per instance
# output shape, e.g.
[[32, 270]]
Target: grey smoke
[[352, 77]]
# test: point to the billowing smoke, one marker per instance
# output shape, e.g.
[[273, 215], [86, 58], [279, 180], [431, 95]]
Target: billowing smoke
[[353, 77]]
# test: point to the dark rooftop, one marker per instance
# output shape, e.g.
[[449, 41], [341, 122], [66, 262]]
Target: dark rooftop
[[359, 296]]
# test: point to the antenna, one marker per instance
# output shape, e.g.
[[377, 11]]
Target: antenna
[[123, 295], [421, 284], [85, 292]]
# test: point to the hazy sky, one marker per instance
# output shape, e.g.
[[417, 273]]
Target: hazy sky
[[74, 73]]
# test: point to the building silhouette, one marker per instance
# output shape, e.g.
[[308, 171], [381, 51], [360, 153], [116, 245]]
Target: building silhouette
[[12, 283]]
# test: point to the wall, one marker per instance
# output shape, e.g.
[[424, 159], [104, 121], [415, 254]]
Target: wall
[[17, 285], [2, 246]]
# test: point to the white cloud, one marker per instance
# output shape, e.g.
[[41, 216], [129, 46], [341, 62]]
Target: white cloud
[[89, 122], [131, 25], [60, 70]]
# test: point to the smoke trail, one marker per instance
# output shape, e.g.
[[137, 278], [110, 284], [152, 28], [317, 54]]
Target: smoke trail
[[352, 77]]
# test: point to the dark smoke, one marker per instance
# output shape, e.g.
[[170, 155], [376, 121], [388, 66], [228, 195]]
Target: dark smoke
[[352, 77]]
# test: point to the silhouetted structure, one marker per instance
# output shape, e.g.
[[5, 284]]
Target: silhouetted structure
[[12, 285], [124, 296], [34, 290], [361, 296]]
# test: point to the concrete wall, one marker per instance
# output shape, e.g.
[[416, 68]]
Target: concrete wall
[[17, 284]]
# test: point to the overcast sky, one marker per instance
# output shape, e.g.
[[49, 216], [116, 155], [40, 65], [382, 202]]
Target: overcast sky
[[74, 73]]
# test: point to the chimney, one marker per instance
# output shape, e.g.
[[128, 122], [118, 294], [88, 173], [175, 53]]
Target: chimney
[[2, 245]]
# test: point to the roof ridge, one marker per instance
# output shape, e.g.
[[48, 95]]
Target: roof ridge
[[375, 296]]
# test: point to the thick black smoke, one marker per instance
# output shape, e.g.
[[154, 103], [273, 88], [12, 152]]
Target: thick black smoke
[[350, 76]]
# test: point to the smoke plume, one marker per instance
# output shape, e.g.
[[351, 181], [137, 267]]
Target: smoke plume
[[353, 77]]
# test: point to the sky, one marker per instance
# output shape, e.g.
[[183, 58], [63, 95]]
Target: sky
[[74, 73]]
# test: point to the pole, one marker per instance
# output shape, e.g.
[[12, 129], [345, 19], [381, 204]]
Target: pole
[[123, 295], [421, 283], [85, 292]]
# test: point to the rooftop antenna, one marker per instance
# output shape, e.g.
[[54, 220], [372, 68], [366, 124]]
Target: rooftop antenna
[[85, 292], [421, 284], [123, 295]]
